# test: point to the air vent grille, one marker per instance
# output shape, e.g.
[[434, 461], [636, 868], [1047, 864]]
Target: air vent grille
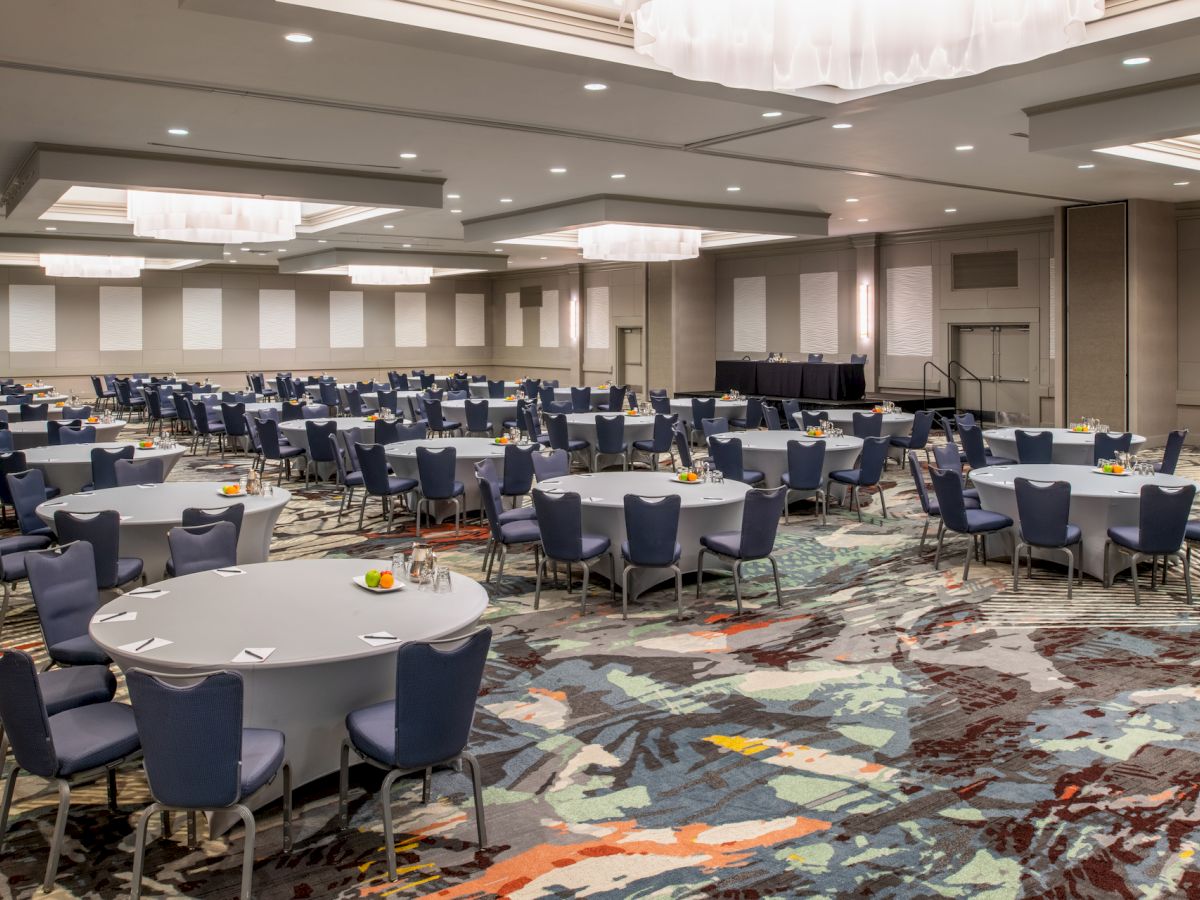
[[982, 271]]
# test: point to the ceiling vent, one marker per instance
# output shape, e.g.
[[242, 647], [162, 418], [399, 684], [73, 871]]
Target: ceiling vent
[[983, 271]]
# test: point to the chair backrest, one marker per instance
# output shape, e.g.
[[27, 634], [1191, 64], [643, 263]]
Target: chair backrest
[[1163, 517], [771, 416], [139, 471], [35, 412], [518, 470], [813, 418], [387, 432], [398, 381], [328, 393], [754, 413], [558, 407], [664, 430], [859, 358], [1044, 508], [477, 415], [100, 529], [946, 456], [372, 462], [63, 584], [961, 419], [581, 399], [413, 431], [556, 429], [426, 380], [489, 495], [1175, 442], [496, 389], [26, 490], [268, 436], [760, 522], [435, 470], [439, 689], [610, 434], [463, 394], [315, 411], [1107, 446], [551, 464], [805, 460], [973, 445], [948, 486], [76, 412], [85, 434], [703, 408], [560, 520], [726, 455], [682, 447], [202, 548], [195, 517], [816, 357], [870, 464], [183, 407], [918, 436], [318, 440], [661, 405], [1035, 447], [234, 417], [616, 397], [867, 424], [388, 400], [716, 425], [545, 394], [433, 413], [531, 423], [914, 469], [153, 401], [6, 446], [23, 712], [251, 426], [652, 529], [191, 734], [292, 412], [103, 474]]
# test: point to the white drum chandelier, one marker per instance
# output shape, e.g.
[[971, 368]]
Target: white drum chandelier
[[784, 45], [58, 265], [390, 274], [638, 243], [211, 218]]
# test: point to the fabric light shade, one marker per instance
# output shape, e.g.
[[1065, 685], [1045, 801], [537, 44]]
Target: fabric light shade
[[390, 274], [211, 218], [59, 265], [785, 45], [638, 243]]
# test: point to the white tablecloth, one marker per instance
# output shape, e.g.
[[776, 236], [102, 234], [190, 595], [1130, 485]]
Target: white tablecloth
[[33, 434], [467, 451], [767, 452], [479, 389], [1070, 448], [893, 423], [498, 411], [729, 409], [69, 467]]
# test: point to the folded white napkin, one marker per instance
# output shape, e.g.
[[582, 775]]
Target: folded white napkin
[[253, 654]]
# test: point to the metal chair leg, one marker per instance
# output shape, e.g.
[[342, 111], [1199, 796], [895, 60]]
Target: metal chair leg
[[737, 584], [287, 807], [247, 852], [139, 852], [9, 787], [477, 785], [344, 785], [389, 837], [941, 536], [699, 572], [778, 589], [60, 831]]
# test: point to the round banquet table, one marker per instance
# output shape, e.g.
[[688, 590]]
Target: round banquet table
[[1071, 448], [894, 424], [598, 395], [729, 409], [767, 452], [404, 402], [402, 457], [297, 434], [704, 508], [311, 613], [148, 512], [54, 412], [1098, 502], [68, 467], [582, 427], [498, 411], [479, 389], [33, 434]]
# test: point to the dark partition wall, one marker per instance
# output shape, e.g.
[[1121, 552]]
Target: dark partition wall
[[816, 381]]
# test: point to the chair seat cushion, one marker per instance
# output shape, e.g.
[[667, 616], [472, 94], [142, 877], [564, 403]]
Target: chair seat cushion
[[971, 494], [448, 425], [574, 444], [78, 651], [400, 485], [262, 754], [979, 520], [22, 542], [51, 491], [786, 478], [128, 568], [627, 554], [846, 476], [519, 514], [522, 531], [74, 686], [1000, 461], [752, 476], [372, 731], [647, 447], [1192, 533], [1126, 535], [624, 448], [90, 736], [900, 440], [727, 543], [289, 452], [594, 545], [353, 479]]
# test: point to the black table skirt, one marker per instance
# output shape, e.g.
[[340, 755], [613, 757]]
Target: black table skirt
[[818, 381]]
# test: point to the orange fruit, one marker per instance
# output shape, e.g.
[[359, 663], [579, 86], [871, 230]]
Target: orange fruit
[[692, 476], [1118, 469], [386, 579]]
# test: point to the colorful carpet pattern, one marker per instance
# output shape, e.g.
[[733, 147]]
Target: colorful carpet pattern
[[887, 732]]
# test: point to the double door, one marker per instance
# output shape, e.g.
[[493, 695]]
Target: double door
[[1000, 356]]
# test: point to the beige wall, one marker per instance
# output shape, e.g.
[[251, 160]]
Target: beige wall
[[1188, 332]]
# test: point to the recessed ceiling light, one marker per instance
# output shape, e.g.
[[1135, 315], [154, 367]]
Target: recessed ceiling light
[[281, 249], [232, 262], [406, 246], [1181, 183], [558, 170], [773, 114], [595, 86], [1135, 60], [227, 253], [506, 200], [864, 220], [298, 37], [733, 189], [408, 156], [1086, 166], [51, 228], [851, 199], [178, 132], [841, 125], [617, 175], [322, 241], [950, 209], [454, 196], [389, 226], [545, 257], [963, 148], [498, 250], [245, 249], [456, 210]]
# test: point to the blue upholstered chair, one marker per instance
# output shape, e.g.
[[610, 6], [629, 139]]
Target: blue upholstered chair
[[411, 431], [868, 473], [816, 357], [34, 412], [516, 531], [947, 457], [791, 408], [755, 540], [683, 445], [69, 746], [320, 450], [54, 427], [956, 517], [198, 756], [659, 442], [771, 418], [918, 436], [85, 434], [928, 504], [1044, 510], [129, 472], [651, 529], [378, 482], [548, 464], [615, 401], [518, 473], [349, 477], [1035, 447], [726, 455], [976, 449], [317, 411], [867, 425], [806, 462], [560, 518], [702, 408], [426, 726], [485, 470], [560, 439], [63, 584], [76, 412], [660, 404], [206, 428], [610, 440], [496, 389], [1175, 442], [435, 473], [438, 424], [103, 531], [104, 476], [533, 429], [717, 425], [478, 422], [27, 490], [1107, 446], [754, 415], [1160, 532], [812, 418], [581, 399], [233, 417], [273, 451], [202, 548]]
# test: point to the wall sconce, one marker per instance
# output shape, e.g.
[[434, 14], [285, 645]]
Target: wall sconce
[[574, 320], [864, 311]]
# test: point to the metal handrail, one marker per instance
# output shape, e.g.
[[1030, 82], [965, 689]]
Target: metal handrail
[[951, 381], [978, 381]]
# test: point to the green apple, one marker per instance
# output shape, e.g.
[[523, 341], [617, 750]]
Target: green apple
[[373, 578]]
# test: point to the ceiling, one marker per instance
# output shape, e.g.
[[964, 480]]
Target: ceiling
[[492, 114]]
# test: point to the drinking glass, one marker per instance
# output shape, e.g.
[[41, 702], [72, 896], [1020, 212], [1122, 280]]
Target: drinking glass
[[441, 580], [716, 476]]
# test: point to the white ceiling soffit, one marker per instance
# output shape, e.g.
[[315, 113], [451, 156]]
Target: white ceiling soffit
[[50, 171], [1182, 152], [709, 240], [338, 258], [768, 223], [175, 252], [35, 259]]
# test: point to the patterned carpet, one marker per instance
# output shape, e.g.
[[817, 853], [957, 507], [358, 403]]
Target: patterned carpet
[[890, 732]]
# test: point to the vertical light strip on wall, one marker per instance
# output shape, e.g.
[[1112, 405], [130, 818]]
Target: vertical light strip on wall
[[277, 320], [31, 326], [596, 319], [750, 314], [202, 319], [1053, 308], [410, 320], [910, 311], [514, 320], [120, 318], [345, 319], [548, 319], [469, 314], [819, 312]]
